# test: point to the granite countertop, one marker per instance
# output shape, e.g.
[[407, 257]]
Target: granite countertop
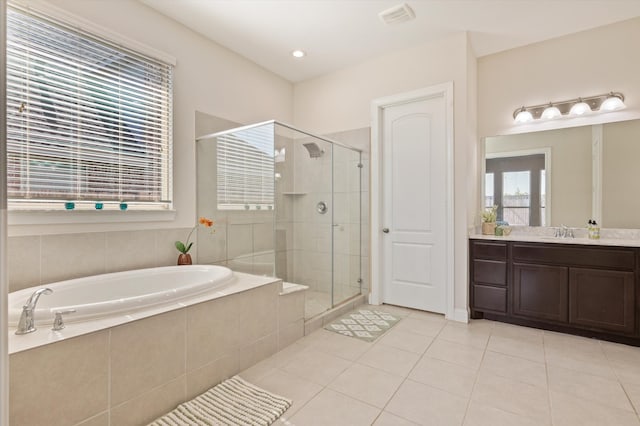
[[609, 237]]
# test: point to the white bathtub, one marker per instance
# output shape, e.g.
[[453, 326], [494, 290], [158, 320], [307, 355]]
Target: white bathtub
[[104, 295]]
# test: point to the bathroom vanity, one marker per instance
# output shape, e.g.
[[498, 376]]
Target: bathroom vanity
[[577, 286]]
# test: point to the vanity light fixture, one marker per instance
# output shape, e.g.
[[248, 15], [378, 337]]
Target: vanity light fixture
[[607, 102], [613, 102], [550, 112], [523, 116], [580, 108]]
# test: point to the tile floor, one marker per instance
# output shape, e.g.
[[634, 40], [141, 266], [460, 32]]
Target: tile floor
[[429, 371]]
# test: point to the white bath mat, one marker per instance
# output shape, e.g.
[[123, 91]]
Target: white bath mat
[[232, 402], [364, 324]]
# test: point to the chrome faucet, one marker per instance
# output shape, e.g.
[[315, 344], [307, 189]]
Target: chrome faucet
[[563, 232], [27, 319]]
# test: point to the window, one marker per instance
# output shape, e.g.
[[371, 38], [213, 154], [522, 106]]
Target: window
[[516, 185], [516, 197], [245, 168], [88, 120]]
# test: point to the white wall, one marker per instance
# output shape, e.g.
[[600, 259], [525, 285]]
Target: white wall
[[342, 101], [592, 62], [207, 78]]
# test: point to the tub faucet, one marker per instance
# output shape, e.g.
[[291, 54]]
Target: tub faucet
[[27, 320]]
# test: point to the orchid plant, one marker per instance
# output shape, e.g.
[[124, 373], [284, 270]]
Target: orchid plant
[[490, 214], [186, 246]]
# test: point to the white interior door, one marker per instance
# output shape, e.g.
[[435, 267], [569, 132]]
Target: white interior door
[[414, 204]]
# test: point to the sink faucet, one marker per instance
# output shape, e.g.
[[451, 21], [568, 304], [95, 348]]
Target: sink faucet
[[27, 320], [563, 232]]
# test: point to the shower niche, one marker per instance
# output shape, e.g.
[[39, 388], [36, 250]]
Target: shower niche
[[286, 203]]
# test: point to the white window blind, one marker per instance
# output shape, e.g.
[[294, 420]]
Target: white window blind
[[245, 169], [88, 121]]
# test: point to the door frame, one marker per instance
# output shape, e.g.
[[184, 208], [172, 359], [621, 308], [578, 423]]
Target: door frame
[[444, 90]]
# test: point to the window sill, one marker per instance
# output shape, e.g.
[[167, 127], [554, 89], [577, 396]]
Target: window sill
[[51, 217]]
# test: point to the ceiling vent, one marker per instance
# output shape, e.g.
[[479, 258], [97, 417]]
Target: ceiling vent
[[397, 14]]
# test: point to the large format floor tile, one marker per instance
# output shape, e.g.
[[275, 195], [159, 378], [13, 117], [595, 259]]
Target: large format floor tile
[[333, 408], [367, 384], [429, 371], [424, 404]]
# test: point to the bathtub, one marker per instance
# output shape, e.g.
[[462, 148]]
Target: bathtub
[[109, 294]]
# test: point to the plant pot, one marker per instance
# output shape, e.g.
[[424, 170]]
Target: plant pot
[[488, 228], [184, 259]]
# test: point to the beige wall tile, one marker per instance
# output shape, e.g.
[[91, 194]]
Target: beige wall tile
[[202, 379], [60, 384], [290, 333], [23, 262], [258, 310], [72, 255], [150, 405], [240, 240], [255, 352], [99, 420], [146, 353], [290, 308], [263, 238], [212, 331], [165, 249], [212, 247], [130, 250]]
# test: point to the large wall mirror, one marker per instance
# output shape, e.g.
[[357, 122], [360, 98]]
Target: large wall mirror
[[566, 176]]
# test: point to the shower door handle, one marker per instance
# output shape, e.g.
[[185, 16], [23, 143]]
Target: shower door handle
[[385, 230]]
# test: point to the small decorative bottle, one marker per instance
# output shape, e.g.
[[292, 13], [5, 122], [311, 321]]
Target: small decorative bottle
[[595, 231]]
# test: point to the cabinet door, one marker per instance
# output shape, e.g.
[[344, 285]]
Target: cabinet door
[[602, 299], [541, 291]]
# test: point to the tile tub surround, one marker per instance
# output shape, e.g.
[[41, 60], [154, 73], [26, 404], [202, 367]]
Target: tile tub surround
[[430, 371], [135, 372], [41, 259]]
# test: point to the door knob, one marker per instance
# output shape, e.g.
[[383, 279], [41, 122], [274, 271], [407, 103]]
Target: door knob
[[385, 230]]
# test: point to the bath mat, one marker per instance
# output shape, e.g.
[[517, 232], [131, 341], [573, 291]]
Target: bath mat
[[232, 402], [364, 324]]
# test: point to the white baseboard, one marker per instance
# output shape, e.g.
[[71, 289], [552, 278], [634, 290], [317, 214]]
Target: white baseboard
[[460, 315]]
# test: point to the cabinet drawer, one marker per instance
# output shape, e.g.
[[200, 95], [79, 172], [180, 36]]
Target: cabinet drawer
[[490, 272], [602, 299], [574, 256], [488, 250], [489, 298]]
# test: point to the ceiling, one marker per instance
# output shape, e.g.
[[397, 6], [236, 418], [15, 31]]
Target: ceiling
[[339, 33]]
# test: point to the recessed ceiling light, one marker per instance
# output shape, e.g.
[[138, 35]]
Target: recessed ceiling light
[[298, 53]]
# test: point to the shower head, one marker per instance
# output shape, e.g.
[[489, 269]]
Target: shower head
[[314, 149]]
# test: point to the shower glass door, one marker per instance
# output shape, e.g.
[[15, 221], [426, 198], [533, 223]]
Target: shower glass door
[[346, 228]]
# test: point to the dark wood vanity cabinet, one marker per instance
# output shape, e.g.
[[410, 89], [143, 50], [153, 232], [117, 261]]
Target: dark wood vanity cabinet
[[588, 290]]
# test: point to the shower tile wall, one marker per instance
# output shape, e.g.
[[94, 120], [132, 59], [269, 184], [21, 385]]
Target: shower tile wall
[[302, 244], [312, 232]]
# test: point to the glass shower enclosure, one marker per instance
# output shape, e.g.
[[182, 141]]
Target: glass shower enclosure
[[302, 189]]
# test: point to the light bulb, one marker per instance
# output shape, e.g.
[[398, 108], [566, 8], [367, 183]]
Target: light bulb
[[523, 116], [580, 108], [612, 103], [550, 113], [298, 53]]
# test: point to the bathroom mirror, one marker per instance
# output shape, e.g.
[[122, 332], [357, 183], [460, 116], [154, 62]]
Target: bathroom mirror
[[566, 176]]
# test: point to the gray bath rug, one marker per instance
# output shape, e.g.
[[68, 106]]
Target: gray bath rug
[[232, 402], [364, 324]]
